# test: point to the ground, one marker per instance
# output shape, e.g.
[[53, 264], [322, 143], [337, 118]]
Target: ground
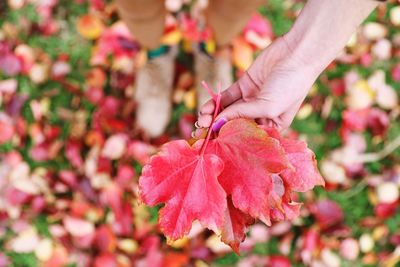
[[72, 155]]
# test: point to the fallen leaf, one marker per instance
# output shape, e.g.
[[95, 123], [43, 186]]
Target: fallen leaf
[[327, 212], [78, 227], [26, 241], [89, 26], [242, 55], [114, 147]]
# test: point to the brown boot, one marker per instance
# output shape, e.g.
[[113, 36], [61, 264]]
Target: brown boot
[[153, 94], [213, 70]]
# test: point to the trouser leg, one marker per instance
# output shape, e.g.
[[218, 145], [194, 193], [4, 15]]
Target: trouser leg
[[145, 19], [228, 17]]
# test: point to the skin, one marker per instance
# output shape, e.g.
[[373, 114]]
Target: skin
[[273, 88]]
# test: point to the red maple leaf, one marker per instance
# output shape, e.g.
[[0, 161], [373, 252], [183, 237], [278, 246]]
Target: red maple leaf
[[304, 174], [282, 207], [246, 172], [186, 180], [233, 230], [250, 157]]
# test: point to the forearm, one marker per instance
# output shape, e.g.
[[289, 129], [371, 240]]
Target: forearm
[[324, 27]]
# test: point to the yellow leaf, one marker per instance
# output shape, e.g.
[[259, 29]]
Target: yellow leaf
[[128, 245], [187, 46], [89, 26], [180, 243], [211, 46], [360, 95], [172, 38], [304, 112], [44, 249], [242, 54], [189, 99]]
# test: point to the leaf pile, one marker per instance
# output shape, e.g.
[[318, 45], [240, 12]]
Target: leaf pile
[[71, 152]]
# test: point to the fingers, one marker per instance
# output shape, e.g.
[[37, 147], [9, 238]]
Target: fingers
[[228, 97], [244, 88], [204, 121], [207, 108], [267, 122], [231, 95], [286, 119], [256, 109], [197, 133], [240, 109]]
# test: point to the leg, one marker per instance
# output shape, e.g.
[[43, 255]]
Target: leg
[[153, 83], [145, 19], [228, 17]]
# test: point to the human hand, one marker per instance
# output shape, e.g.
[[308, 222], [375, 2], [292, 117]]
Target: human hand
[[274, 87], [271, 91]]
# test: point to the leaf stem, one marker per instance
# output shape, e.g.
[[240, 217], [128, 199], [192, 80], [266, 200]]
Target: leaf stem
[[217, 100], [209, 91]]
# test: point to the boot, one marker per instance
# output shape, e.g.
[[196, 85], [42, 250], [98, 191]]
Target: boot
[[153, 93], [212, 69]]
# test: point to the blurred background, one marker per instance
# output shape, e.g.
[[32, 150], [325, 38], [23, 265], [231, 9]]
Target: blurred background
[[71, 153]]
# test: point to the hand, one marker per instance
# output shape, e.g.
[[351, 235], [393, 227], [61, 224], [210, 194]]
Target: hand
[[271, 91], [274, 87]]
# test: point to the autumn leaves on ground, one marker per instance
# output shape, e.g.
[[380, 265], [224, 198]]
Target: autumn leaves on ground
[[71, 154]]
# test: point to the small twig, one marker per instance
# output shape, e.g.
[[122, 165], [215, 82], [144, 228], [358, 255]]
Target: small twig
[[355, 190], [387, 150]]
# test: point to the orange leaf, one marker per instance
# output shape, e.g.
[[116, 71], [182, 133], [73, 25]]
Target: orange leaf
[[89, 26]]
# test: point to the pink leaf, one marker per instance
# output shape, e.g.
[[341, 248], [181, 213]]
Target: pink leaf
[[114, 146], [73, 153], [279, 261], [260, 25], [10, 64], [327, 212], [8, 86], [105, 260], [78, 227], [6, 128]]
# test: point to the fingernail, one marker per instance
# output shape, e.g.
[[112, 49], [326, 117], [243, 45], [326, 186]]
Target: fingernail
[[196, 124], [197, 133], [218, 124]]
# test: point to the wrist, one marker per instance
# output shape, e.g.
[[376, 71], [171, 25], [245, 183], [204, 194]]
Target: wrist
[[323, 28], [301, 56], [306, 52]]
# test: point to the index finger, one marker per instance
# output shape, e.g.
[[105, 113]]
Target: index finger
[[228, 96]]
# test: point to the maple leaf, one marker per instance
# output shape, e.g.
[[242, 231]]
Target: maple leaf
[[186, 181], [280, 199], [235, 225], [250, 157], [261, 171], [246, 172], [304, 174]]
